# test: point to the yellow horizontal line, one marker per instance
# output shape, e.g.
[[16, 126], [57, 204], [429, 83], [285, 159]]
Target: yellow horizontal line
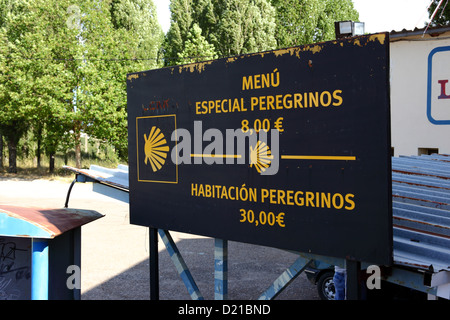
[[237, 156], [319, 157]]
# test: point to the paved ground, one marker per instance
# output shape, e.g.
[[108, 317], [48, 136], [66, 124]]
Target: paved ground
[[115, 253]]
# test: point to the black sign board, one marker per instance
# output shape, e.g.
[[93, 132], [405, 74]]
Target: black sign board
[[287, 148]]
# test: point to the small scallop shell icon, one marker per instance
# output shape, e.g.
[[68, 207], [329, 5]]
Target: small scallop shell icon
[[155, 149], [260, 156]]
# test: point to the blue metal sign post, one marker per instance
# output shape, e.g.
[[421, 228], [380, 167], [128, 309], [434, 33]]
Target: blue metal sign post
[[40, 270]]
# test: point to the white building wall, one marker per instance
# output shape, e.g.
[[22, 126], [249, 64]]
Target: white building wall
[[411, 128]]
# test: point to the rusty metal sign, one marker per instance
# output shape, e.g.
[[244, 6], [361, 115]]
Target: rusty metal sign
[[287, 148]]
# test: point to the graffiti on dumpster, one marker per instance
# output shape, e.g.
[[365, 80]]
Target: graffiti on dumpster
[[15, 270]]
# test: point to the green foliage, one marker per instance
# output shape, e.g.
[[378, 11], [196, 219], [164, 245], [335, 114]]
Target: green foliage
[[63, 64], [138, 18], [233, 27], [196, 48], [63, 69], [309, 21], [442, 16], [243, 26], [17, 72]]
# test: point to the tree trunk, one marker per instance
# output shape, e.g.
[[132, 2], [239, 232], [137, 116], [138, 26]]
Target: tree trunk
[[1, 151], [78, 156], [52, 163], [77, 138], [12, 150], [12, 133], [78, 151], [39, 142]]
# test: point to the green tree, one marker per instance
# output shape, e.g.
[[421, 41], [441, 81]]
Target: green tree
[[116, 39], [139, 19], [309, 21], [140, 37], [99, 66], [442, 16], [244, 27], [196, 48], [181, 23], [232, 27], [16, 74], [63, 69], [55, 66]]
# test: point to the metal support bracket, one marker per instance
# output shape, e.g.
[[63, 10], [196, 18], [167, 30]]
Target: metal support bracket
[[66, 205], [353, 289], [220, 269], [78, 178], [180, 265], [285, 278]]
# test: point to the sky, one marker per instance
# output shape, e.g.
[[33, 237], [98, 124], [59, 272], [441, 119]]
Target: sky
[[377, 15], [388, 15]]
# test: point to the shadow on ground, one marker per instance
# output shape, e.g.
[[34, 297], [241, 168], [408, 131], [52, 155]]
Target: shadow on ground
[[252, 269]]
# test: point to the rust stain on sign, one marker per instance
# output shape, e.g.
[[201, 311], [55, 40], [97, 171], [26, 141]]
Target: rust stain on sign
[[318, 47], [378, 37], [373, 38], [130, 77], [198, 67], [296, 51]]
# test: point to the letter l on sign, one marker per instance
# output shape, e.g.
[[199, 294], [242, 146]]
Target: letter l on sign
[[443, 84]]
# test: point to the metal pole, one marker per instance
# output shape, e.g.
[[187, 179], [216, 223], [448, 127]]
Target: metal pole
[[285, 278], [220, 269], [154, 264], [39, 270], [66, 205], [180, 265], [353, 288], [77, 259]]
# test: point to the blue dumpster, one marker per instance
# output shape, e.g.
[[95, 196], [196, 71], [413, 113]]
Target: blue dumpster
[[37, 247]]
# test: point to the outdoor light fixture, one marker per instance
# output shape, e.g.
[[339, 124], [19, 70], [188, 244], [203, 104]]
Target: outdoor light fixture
[[348, 29]]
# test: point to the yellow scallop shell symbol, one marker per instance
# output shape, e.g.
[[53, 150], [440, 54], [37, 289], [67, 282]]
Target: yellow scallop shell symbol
[[260, 156], [155, 149]]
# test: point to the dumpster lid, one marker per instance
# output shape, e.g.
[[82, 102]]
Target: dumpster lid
[[42, 223]]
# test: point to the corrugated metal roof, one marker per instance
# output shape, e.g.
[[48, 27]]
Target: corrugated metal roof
[[431, 31], [42, 223], [421, 211], [421, 207]]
